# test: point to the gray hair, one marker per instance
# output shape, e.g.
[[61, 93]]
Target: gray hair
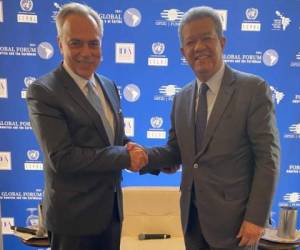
[[79, 9], [199, 13]]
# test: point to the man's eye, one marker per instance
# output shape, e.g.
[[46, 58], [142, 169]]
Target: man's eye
[[207, 38], [94, 44], [75, 43], [190, 43]]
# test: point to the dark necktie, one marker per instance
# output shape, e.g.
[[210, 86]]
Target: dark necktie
[[201, 116], [95, 101]]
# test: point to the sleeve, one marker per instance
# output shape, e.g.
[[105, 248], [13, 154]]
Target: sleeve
[[51, 128], [168, 155], [263, 134]]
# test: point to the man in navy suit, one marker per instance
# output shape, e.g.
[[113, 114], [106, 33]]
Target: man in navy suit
[[223, 132], [77, 119]]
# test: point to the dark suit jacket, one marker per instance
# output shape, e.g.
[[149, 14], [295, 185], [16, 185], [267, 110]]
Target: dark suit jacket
[[235, 172], [82, 170]]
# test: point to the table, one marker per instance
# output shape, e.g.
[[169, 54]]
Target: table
[[268, 245], [44, 242]]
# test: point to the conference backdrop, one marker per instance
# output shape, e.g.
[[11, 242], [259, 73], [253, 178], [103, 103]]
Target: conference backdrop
[[141, 54]]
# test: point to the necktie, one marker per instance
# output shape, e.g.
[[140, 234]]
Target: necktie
[[201, 116], [95, 101]]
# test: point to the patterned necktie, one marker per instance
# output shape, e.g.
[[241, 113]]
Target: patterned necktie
[[201, 116], [96, 103]]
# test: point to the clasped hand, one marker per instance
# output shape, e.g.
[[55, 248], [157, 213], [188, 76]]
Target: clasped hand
[[138, 156]]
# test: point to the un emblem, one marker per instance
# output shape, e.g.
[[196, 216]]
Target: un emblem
[[158, 48], [33, 155], [28, 80], [251, 13], [156, 122], [26, 5]]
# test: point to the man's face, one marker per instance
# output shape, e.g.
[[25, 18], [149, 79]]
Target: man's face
[[202, 48], [80, 44]]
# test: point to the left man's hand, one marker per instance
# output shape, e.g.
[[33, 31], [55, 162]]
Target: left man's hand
[[249, 234]]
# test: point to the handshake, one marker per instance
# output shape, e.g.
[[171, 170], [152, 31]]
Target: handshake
[[138, 156], [139, 159]]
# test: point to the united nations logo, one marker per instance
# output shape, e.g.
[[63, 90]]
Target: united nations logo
[[158, 48], [131, 93], [251, 13], [270, 57], [28, 80], [156, 122], [45, 50], [33, 155], [26, 5], [132, 17]]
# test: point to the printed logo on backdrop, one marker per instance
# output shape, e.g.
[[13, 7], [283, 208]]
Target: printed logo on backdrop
[[294, 131], [281, 22], [183, 61], [296, 63], [277, 96], [17, 195], [27, 81], [223, 16], [32, 219], [54, 12], [7, 222], [167, 92], [26, 15], [293, 169], [3, 88], [5, 160], [129, 126], [291, 199], [132, 17], [33, 162], [1, 12], [269, 58], [125, 53], [131, 92], [170, 17], [296, 99], [112, 18], [251, 23], [44, 50], [156, 132], [157, 58], [15, 125]]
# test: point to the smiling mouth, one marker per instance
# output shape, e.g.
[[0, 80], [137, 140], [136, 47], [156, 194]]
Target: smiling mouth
[[201, 57]]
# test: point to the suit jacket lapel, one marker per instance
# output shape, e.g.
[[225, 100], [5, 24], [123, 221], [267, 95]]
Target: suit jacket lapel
[[226, 90], [191, 98], [111, 101], [78, 97]]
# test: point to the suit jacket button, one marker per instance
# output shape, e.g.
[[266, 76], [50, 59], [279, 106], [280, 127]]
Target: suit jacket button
[[196, 165]]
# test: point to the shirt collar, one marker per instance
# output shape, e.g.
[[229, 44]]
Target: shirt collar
[[214, 83]]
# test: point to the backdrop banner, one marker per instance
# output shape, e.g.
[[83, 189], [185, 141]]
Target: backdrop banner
[[141, 54]]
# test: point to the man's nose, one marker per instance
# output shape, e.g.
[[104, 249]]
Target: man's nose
[[199, 45], [85, 49]]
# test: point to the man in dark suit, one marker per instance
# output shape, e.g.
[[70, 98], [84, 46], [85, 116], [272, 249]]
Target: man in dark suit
[[226, 139], [77, 119]]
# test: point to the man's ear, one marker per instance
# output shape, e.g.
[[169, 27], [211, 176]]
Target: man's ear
[[59, 42], [182, 52], [223, 42]]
